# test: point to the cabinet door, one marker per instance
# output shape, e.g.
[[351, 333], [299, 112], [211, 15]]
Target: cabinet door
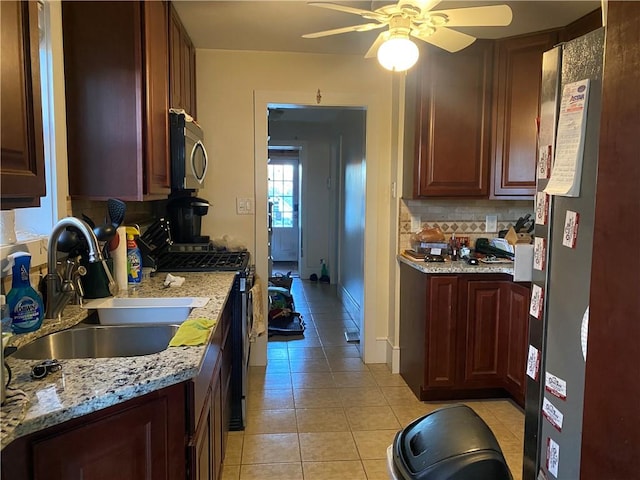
[[453, 122], [413, 321], [216, 427], [517, 77], [481, 320], [156, 42], [23, 176], [517, 328], [442, 318], [144, 441], [116, 87], [175, 61], [202, 448]]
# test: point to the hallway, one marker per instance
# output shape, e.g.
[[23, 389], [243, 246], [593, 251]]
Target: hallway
[[316, 412]]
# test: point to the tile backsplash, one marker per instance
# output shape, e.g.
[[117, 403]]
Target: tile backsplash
[[463, 217]]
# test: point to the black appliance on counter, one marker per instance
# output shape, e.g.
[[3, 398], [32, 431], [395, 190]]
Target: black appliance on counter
[[185, 218]]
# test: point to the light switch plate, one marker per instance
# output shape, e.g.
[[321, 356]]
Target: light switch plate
[[244, 205], [491, 223]]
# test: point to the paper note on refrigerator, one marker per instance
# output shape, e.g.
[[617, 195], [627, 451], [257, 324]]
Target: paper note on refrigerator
[[539, 253], [533, 362], [537, 298], [572, 121], [553, 457], [555, 386], [552, 414]]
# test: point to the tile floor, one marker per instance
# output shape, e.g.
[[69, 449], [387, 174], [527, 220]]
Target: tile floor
[[316, 412]]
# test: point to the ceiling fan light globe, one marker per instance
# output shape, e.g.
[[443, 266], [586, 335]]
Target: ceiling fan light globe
[[398, 54]]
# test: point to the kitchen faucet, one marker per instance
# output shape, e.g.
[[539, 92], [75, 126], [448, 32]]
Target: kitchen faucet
[[61, 289]]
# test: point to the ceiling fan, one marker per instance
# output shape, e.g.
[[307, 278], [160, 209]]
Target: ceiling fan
[[416, 18]]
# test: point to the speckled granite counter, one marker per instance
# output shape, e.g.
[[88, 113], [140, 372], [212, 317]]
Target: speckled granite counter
[[456, 267], [86, 385]]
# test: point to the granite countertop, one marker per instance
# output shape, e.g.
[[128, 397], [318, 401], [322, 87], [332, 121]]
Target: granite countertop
[[456, 267], [87, 385]]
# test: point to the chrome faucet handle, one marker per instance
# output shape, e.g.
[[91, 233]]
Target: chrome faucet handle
[[79, 272]]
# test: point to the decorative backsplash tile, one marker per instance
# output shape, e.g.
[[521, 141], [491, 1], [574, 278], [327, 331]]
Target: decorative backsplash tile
[[461, 217]]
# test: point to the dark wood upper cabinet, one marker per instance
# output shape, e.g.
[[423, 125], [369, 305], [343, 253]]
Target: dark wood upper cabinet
[[588, 23], [182, 67], [116, 57], [23, 170], [453, 124], [517, 77]]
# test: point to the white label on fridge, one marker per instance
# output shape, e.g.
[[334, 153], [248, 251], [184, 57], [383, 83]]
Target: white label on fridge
[[572, 120], [539, 253], [555, 386], [533, 362], [570, 232], [553, 457], [537, 295], [542, 208], [544, 161], [552, 414]]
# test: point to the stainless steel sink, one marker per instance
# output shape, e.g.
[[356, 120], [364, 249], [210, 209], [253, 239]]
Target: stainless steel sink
[[87, 341]]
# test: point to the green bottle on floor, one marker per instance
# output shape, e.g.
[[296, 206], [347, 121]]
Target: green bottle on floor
[[324, 273]]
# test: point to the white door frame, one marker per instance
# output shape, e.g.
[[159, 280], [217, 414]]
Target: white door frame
[[374, 297], [297, 212]]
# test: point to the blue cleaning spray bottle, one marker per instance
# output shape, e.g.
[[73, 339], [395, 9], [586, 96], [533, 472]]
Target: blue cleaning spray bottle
[[25, 304]]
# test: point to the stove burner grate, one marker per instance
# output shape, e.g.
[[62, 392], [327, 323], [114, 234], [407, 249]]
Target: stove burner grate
[[203, 261]]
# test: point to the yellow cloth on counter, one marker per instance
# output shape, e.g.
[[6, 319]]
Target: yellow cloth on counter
[[192, 332]]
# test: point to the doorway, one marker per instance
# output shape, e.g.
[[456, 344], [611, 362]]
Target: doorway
[[330, 146], [284, 197]]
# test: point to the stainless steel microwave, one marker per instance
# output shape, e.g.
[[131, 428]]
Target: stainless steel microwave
[[188, 156]]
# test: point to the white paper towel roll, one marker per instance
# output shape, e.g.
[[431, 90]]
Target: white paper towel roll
[[119, 256]]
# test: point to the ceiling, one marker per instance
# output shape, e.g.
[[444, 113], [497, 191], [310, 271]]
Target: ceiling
[[278, 25]]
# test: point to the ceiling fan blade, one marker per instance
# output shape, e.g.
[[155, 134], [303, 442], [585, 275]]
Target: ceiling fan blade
[[489, 16], [425, 5], [449, 40], [365, 27], [369, 15], [373, 50]]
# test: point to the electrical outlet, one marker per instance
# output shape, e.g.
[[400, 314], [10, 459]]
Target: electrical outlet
[[491, 223], [244, 205], [416, 223]]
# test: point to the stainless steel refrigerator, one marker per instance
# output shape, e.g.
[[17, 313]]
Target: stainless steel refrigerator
[[561, 277]]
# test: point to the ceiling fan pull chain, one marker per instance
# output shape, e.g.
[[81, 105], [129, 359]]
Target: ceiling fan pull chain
[[318, 97]]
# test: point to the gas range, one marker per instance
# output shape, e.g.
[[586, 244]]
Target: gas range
[[190, 258]]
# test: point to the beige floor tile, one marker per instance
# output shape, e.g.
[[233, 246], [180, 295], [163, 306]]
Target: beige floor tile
[[354, 379], [280, 353], [373, 444], [271, 421], [310, 331], [230, 472], [341, 470], [322, 420], [372, 418], [304, 342], [361, 397], [275, 399], [376, 469], [387, 379], [276, 381], [272, 471], [313, 380], [379, 368], [266, 448], [408, 413], [309, 352], [277, 366], [327, 446], [399, 395], [233, 453], [316, 398], [337, 351], [326, 315], [309, 365], [346, 364]]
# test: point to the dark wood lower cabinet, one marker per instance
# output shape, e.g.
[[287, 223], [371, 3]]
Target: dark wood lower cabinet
[[463, 336], [174, 433]]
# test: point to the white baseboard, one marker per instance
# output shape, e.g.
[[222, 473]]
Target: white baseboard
[[393, 357]]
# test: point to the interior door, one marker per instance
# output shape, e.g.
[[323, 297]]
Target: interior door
[[284, 193]]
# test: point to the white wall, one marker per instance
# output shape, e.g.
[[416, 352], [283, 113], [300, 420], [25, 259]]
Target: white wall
[[231, 87]]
